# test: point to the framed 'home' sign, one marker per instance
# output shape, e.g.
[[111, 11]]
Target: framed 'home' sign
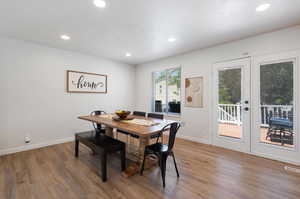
[[81, 82]]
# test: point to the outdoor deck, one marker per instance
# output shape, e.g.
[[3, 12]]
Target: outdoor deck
[[234, 131]]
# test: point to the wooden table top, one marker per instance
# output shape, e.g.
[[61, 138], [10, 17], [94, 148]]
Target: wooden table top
[[140, 130]]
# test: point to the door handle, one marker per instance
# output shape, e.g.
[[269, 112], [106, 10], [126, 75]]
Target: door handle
[[246, 102], [246, 109]]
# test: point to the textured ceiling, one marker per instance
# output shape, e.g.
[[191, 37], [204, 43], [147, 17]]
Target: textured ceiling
[[141, 27]]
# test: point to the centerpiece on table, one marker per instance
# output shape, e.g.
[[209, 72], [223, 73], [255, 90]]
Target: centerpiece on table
[[123, 115]]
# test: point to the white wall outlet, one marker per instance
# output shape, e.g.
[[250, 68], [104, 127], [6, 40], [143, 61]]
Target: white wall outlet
[[292, 169], [27, 139], [182, 124]]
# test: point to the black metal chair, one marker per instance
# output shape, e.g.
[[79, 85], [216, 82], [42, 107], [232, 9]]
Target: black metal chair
[[157, 116], [162, 151], [102, 145], [98, 127], [139, 113]]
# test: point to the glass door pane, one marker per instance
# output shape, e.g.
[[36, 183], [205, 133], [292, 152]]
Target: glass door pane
[[229, 107], [277, 104], [174, 85], [160, 85]]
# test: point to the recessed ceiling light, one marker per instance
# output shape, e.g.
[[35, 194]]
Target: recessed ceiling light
[[65, 37], [171, 39], [128, 54], [100, 3], [262, 7]]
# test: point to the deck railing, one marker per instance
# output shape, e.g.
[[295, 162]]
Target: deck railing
[[231, 113]]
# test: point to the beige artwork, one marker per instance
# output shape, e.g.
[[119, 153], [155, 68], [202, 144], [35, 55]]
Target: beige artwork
[[194, 92]]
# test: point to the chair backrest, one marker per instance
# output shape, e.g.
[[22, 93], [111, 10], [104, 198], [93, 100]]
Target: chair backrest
[[97, 127], [156, 115], [139, 113], [173, 129], [280, 115]]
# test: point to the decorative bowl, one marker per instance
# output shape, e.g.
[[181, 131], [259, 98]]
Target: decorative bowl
[[122, 114]]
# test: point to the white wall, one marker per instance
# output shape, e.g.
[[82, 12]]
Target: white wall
[[33, 99], [199, 63]]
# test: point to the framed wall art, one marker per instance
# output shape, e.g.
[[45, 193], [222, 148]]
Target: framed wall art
[[194, 92], [82, 82]]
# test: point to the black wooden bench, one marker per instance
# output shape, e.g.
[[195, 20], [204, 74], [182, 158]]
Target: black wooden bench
[[102, 145]]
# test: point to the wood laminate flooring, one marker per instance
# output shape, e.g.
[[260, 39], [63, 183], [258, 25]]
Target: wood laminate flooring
[[207, 172]]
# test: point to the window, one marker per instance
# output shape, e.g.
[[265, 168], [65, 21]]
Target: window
[[167, 87]]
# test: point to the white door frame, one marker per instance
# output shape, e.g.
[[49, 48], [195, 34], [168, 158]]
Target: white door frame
[[280, 153], [242, 144]]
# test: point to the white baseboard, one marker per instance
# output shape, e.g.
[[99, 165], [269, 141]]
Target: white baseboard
[[206, 141], [35, 146], [276, 158], [194, 139], [292, 169]]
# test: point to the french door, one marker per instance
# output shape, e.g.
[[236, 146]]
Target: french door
[[255, 104], [232, 105], [275, 88]]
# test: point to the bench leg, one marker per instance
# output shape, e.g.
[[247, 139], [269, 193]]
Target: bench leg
[[76, 148], [123, 158], [103, 166], [143, 165]]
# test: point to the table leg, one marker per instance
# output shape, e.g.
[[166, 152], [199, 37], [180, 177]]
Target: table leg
[[144, 141], [109, 131], [134, 168]]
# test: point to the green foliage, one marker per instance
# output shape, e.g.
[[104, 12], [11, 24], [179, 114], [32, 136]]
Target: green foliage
[[174, 77], [160, 76], [276, 83], [230, 86]]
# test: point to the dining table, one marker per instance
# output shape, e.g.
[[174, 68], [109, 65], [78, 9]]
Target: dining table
[[142, 127]]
